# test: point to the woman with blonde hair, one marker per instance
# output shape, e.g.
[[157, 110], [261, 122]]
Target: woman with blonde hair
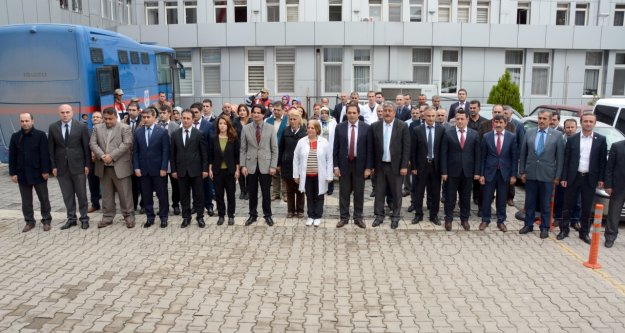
[[291, 135]]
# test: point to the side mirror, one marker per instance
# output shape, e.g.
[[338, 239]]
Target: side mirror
[[183, 73]]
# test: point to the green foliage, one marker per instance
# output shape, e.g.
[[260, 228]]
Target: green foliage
[[506, 92]]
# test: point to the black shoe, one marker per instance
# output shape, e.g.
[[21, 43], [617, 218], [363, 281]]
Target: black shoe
[[148, 223], [84, 225], [377, 222], [68, 225], [562, 235], [435, 220], [163, 223], [210, 210], [411, 209], [231, 221], [479, 213], [372, 194], [394, 224], [269, 221], [200, 222], [544, 234], [242, 196], [525, 230], [142, 210], [585, 238], [185, 223], [176, 210], [416, 220], [330, 192], [609, 243], [247, 196], [221, 220], [250, 220]]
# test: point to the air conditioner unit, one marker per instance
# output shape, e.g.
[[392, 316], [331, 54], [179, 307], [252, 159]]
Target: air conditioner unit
[[390, 89]]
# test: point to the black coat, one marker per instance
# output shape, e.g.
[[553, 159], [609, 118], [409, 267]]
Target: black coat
[[598, 158], [615, 169], [287, 148], [230, 155], [419, 147], [29, 156], [364, 147], [190, 160]]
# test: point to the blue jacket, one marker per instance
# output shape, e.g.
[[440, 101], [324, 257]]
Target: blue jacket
[[152, 158], [283, 123]]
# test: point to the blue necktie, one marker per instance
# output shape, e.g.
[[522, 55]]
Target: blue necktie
[[541, 144], [149, 135]]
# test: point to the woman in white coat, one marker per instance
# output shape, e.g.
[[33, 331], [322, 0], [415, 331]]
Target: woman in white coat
[[312, 169]]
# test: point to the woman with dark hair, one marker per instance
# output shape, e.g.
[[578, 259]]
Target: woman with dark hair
[[243, 118], [223, 166], [291, 135]]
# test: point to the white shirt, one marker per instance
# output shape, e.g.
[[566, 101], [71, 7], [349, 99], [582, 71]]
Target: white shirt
[[585, 144], [503, 134], [349, 137], [387, 146], [365, 112], [146, 133]]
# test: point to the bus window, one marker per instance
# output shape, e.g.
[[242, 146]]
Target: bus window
[[108, 80], [123, 57], [605, 114], [162, 63], [97, 56], [134, 57], [145, 58]]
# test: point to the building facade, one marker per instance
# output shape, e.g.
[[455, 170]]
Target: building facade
[[558, 52]]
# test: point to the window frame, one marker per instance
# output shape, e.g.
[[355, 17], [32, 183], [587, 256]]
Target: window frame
[[594, 68], [619, 9], [219, 5], [451, 64], [204, 64], [238, 5], [291, 4], [416, 4], [465, 5], [335, 3], [520, 67], [273, 5], [151, 6], [187, 63], [542, 66], [483, 5], [444, 4], [392, 6], [585, 9], [563, 7], [333, 64], [421, 64], [249, 63], [380, 7], [284, 63], [361, 63], [171, 5], [618, 67], [524, 5], [189, 5]]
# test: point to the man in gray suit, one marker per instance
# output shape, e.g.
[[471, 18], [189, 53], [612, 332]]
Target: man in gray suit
[[259, 159], [540, 167], [68, 143], [111, 144]]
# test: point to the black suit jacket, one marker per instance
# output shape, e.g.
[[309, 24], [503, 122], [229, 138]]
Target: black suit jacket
[[454, 107], [458, 162], [192, 160], [230, 155], [29, 156], [615, 169], [405, 113], [399, 145], [598, 155], [73, 157], [337, 112], [419, 147], [341, 147]]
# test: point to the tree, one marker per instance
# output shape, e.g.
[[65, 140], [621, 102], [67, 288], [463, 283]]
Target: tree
[[506, 92]]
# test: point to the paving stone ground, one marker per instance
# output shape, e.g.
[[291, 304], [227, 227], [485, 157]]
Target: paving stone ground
[[294, 278]]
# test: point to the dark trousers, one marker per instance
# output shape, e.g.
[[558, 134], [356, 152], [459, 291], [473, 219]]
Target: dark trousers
[[500, 185], [511, 192], [349, 183], [136, 190], [538, 194], [477, 193], [149, 185], [460, 186], [428, 179], [209, 192], [242, 184], [294, 198], [26, 192], [175, 191], [74, 187], [194, 184], [94, 188], [587, 190], [614, 213], [313, 199], [253, 180], [558, 206], [386, 179], [224, 185]]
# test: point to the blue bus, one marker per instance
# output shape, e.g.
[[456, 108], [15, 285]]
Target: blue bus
[[45, 65]]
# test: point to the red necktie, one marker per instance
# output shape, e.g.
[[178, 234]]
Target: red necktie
[[461, 139], [498, 143], [350, 156], [257, 134]]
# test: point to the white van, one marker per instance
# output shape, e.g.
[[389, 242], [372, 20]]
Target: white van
[[611, 111]]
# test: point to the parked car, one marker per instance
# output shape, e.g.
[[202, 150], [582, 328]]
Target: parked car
[[486, 111], [611, 111], [611, 134], [563, 110]]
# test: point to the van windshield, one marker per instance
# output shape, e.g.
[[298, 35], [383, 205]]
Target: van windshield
[[605, 114]]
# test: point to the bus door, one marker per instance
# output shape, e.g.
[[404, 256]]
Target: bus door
[[108, 81]]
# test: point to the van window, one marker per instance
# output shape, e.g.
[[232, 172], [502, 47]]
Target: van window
[[605, 114], [620, 123]]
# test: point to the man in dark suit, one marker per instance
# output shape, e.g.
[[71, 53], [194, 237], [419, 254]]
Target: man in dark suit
[[171, 127], [461, 103], [29, 167], [615, 187], [520, 135], [351, 155], [402, 108], [338, 108], [391, 157], [426, 161], [584, 170], [68, 143], [499, 168], [540, 167], [460, 165], [150, 160], [189, 164], [208, 130], [134, 121]]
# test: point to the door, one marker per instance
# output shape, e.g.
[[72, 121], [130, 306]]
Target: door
[[108, 81]]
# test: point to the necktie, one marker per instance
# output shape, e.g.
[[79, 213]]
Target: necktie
[[498, 143], [351, 153], [430, 144], [132, 125], [541, 143], [66, 133], [257, 134], [461, 139], [187, 139], [163, 124], [149, 135], [387, 139]]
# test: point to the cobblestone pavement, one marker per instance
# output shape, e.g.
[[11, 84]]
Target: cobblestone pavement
[[296, 278]]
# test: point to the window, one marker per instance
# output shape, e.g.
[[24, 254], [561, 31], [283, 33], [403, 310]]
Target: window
[[76, 5], [221, 11], [514, 65], [444, 11], [292, 10], [126, 12], [211, 71], [107, 8], [540, 73], [162, 67], [134, 57], [122, 57], [592, 73], [416, 10], [464, 11], [171, 11], [285, 69], [255, 70], [581, 14], [151, 13], [273, 10], [483, 12], [334, 10], [118, 10], [618, 87], [332, 69], [562, 14], [145, 58], [190, 12], [394, 10], [421, 64], [240, 10], [523, 13], [186, 84], [362, 70], [97, 56], [375, 10], [450, 69], [63, 4], [619, 15]]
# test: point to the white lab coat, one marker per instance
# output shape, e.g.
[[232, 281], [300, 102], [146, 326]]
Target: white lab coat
[[324, 163]]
